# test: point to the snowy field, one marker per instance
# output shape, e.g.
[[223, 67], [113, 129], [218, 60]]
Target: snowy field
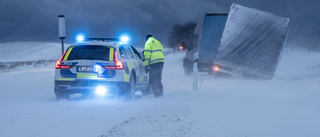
[[29, 51], [287, 106]]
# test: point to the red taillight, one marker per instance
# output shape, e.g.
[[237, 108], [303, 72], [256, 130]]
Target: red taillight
[[58, 64], [110, 67], [119, 64], [65, 67]]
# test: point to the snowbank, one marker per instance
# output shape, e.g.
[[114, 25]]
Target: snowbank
[[30, 51]]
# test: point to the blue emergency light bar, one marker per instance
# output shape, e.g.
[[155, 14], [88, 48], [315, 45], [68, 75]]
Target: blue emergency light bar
[[102, 39]]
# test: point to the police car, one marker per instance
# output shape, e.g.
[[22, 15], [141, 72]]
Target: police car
[[100, 66]]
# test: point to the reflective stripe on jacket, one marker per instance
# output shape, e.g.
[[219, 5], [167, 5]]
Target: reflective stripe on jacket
[[153, 52]]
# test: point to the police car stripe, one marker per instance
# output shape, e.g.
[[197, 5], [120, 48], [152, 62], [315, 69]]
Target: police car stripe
[[66, 79], [126, 76], [68, 53], [111, 54], [84, 75]]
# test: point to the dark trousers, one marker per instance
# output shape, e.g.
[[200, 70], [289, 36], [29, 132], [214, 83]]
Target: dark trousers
[[155, 76]]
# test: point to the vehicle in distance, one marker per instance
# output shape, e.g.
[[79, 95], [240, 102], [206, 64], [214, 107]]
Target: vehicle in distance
[[100, 66]]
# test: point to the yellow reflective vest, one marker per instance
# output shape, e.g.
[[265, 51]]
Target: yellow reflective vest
[[153, 52]]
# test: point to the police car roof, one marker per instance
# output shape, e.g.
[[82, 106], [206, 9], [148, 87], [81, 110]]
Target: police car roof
[[110, 43]]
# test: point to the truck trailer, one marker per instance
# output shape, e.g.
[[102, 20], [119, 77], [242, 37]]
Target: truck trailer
[[246, 42]]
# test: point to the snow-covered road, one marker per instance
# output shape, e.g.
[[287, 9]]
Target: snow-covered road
[[288, 106]]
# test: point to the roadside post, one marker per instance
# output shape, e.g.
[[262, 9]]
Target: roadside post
[[195, 71], [62, 30]]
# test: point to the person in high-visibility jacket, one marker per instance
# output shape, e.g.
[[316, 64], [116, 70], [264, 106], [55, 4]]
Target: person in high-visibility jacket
[[154, 60]]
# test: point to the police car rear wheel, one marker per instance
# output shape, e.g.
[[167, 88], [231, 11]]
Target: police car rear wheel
[[61, 94], [130, 93]]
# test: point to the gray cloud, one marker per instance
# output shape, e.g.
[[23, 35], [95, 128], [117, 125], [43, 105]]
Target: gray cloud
[[36, 20]]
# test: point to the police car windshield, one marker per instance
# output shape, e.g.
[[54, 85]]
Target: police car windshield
[[90, 53]]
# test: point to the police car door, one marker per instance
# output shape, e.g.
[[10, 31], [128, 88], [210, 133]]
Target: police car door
[[142, 77], [132, 62]]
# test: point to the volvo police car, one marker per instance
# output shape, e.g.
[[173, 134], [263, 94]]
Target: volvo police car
[[100, 66]]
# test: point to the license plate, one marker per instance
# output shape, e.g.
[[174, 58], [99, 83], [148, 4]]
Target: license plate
[[86, 69]]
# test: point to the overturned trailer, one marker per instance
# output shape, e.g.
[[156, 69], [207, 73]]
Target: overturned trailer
[[246, 42], [251, 43]]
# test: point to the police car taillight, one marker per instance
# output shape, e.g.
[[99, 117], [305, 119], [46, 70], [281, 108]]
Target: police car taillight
[[119, 64], [59, 66], [109, 67], [65, 67]]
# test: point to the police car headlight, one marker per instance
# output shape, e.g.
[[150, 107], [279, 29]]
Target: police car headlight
[[101, 91]]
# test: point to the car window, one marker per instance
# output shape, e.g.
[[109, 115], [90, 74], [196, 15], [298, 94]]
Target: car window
[[89, 53], [129, 51], [123, 52], [137, 55]]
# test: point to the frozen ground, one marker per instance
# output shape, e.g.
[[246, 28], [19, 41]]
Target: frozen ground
[[287, 106]]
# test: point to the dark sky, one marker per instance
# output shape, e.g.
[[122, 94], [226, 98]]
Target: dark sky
[[36, 20]]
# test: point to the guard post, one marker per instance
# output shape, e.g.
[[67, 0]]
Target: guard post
[[62, 30], [195, 71]]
